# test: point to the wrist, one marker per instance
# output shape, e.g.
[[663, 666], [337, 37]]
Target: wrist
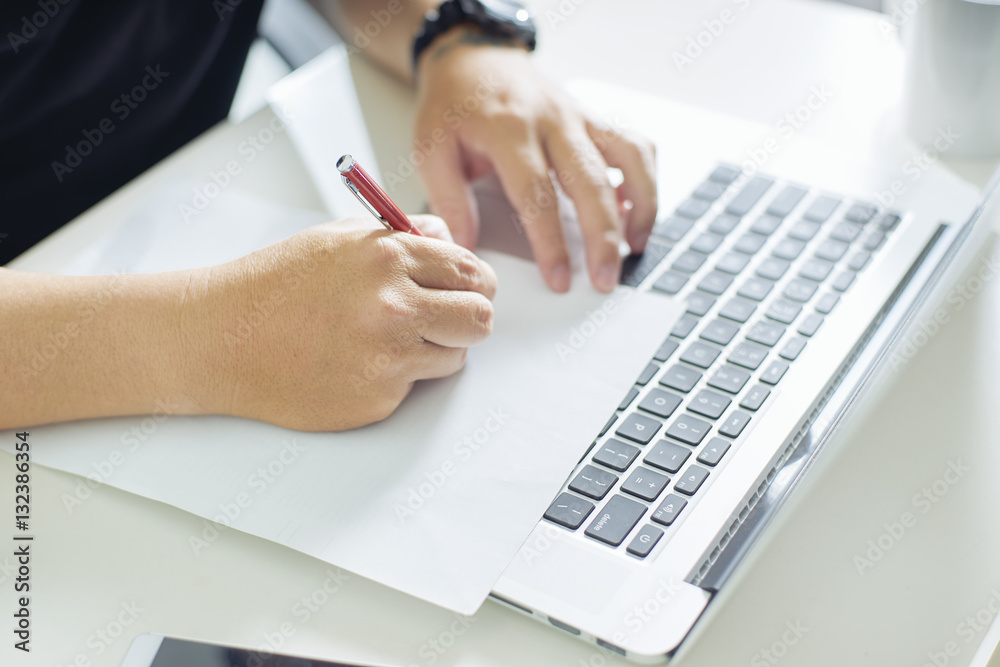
[[463, 38]]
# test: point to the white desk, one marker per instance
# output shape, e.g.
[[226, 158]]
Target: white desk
[[116, 549]]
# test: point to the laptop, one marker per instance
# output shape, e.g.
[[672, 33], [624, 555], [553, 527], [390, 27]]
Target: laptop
[[802, 270]]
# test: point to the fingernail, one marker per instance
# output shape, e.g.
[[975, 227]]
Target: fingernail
[[607, 278], [559, 278]]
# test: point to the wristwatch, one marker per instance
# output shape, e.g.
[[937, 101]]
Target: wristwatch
[[500, 18]]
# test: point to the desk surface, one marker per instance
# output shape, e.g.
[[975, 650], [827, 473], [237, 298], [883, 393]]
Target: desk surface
[[114, 565]]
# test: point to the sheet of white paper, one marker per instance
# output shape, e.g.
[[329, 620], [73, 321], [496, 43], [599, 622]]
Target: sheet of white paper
[[434, 501]]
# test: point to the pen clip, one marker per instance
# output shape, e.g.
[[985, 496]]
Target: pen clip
[[357, 193]]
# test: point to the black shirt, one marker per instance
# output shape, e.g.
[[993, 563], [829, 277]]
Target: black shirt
[[93, 92]]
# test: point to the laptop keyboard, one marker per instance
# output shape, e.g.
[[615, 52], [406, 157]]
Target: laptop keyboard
[[760, 275]]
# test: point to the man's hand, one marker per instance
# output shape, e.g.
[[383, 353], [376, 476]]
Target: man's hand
[[498, 113], [349, 317]]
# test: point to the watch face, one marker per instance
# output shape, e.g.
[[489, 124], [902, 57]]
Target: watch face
[[506, 10]]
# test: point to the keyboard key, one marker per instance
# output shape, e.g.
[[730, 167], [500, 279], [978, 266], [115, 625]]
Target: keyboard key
[[846, 232], [772, 268], [616, 520], [644, 541], [804, 230], [766, 333], [668, 347], [888, 222], [699, 303], [691, 480], [738, 310], [873, 241], [821, 208], [749, 355], [751, 193], [647, 374], [700, 354], [706, 242], [736, 422], [729, 378], [766, 224], [816, 269], [689, 261], [616, 455], [684, 326], [715, 282], [593, 482], [831, 249], [689, 430], [827, 302], [783, 310], [788, 249], [786, 200], [723, 224], [681, 378], [810, 323], [672, 229], [861, 213], [644, 483], [858, 260], [724, 174], [660, 403], [629, 397], [713, 452], [756, 288], [750, 243], [720, 332], [670, 282], [755, 397], [667, 456], [800, 289], [569, 511], [792, 349], [635, 268], [709, 404], [733, 262], [709, 190], [638, 428], [668, 510], [774, 372], [692, 208], [608, 424], [843, 281]]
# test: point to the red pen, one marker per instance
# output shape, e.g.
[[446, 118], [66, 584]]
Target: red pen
[[373, 197]]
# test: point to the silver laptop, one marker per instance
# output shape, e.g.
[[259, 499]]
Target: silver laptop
[[797, 296]]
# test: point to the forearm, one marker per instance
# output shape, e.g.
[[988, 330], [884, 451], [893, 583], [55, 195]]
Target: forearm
[[93, 346]]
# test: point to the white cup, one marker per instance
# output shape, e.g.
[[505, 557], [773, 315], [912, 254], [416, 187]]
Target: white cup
[[951, 92]]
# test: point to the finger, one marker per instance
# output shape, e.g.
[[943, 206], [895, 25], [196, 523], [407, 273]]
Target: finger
[[445, 266], [436, 361], [432, 226], [523, 171], [453, 319], [583, 174], [449, 194], [637, 160]]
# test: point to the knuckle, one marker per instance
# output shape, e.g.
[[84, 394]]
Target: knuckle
[[389, 253]]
